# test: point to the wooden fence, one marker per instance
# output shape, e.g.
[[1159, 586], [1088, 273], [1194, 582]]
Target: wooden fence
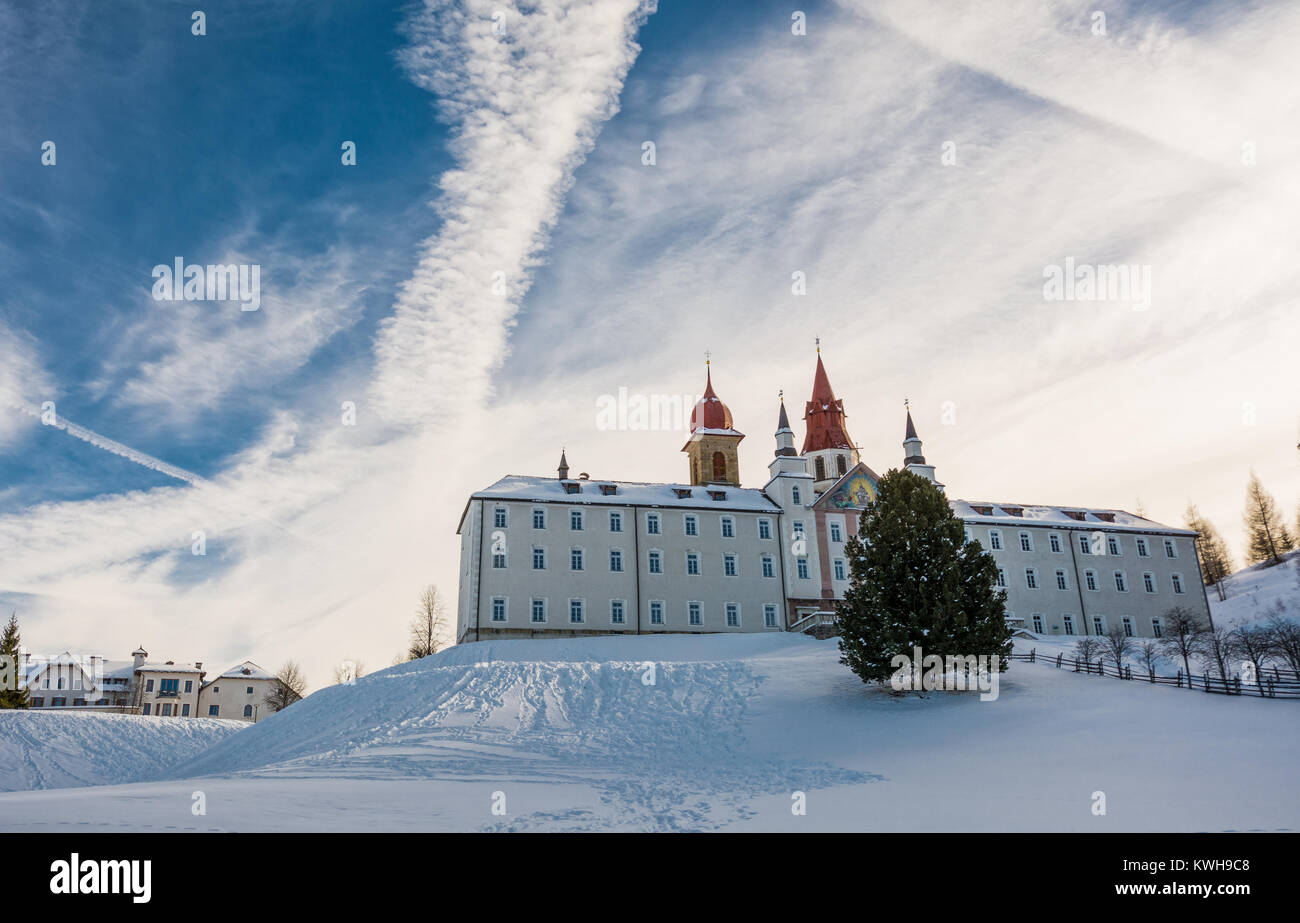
[[1272, 684]]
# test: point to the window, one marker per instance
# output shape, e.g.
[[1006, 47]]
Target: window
[[656, 562], [1156, 630], [169, 686], [248, 711], [148, 684], [575, 559], [189, 685], [691, 525], [801, 567], [575, 611], [693, 563], [656, 612], [608, 490], [216, 688], [539, 519], [794, 494], [728, 527], [1038, 624], [214, 711], [185, 709], [1112, 545], [1128, 626], [719, 466], [539, 610], [840, 465], [1054, 541], [499, 518], [1085, 546], [995, 539], [615, 521], [616, 560], [733, 615], [769, 616], [1069, 624], [573, 488], [1090, 579], [1121, 582], [617, 611], [694, 613], [1002, 577], [1098, 625], [839, 569], [1143, 551], [248, 690], [769, 567], [765, 528], [836, 535], [144, 711], [821, 468], [1177, 581], [498, 560], [575, 520], [1031, 578], [1149, 582], [498, 608], [652, 523], [1026, 542], [167, 709], [1171, 550], [1062, 583], [539, 559], [729, 565]]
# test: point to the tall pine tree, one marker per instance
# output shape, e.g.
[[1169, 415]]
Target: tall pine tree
[[916, 582], [10, 646], [1216, 562], [1266, 535]]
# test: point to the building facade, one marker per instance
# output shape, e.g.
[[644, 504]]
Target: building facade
[[578, 556]]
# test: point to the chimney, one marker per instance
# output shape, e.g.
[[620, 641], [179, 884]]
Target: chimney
[[139, 656]]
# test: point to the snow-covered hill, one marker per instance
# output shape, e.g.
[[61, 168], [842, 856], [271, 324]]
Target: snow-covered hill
[[716, 732], [49, 749], [1255, 592]]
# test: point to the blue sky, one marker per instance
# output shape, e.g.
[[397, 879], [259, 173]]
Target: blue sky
[[521, 155]]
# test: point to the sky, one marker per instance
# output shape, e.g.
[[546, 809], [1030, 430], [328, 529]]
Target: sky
[[553, 201]]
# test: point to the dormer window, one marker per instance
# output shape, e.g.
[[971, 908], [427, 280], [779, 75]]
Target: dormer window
[[572, 487], [683, 493], [608, 490], [717, 495], [983, 510]]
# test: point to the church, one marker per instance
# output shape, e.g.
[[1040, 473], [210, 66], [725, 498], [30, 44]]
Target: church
[[569, 556]]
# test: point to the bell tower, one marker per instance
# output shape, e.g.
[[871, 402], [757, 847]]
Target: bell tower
[[713, 447]]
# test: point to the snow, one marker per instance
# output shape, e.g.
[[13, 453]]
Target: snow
[[1037, 515], [1254, 592], [630, 493], [573, 736], [44, 748]]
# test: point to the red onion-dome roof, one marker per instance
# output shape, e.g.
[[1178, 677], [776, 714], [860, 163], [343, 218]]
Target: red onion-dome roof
[[710, 412]]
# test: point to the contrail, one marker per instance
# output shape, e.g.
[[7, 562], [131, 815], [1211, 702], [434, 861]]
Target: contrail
[[112, 445]]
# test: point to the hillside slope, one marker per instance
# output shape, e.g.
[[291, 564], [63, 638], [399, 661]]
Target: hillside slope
[[734, 733], [50, 749]]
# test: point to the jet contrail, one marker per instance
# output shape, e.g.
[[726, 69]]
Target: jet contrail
[[111, 445]]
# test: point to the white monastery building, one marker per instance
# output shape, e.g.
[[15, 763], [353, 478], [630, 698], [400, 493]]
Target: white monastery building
[[544, 556]]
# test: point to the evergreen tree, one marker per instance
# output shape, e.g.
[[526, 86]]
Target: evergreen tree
[[916, 582], [10, 646], [1216, 562], [1266, 535]]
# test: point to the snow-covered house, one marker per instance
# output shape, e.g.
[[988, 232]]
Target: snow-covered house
[[241, 692], [70, 680], [579, 556]]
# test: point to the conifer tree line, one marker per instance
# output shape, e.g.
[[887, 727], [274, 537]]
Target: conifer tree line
[[10, 647], [1268, 536]]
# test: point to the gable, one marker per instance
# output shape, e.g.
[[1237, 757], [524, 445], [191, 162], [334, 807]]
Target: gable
[[855, 490]]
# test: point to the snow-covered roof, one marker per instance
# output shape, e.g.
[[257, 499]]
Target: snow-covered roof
[[1063, 517], [246, 670], [168, 668], [627, 493]]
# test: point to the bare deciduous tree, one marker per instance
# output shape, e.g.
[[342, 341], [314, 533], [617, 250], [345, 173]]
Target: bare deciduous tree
[[1180, 630], [1286, 636], [1217, 647], [348, 670], [1086, 649], [427, 625], [290, 686], [1255, 645], [1149, 653], [1118, 644]]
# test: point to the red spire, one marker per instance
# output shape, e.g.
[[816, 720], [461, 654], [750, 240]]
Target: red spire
[[710, 412], [824, 415]]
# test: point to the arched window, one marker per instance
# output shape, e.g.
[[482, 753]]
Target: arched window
[[248, 711], [719, 466], [839, 464], [821, 468]]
